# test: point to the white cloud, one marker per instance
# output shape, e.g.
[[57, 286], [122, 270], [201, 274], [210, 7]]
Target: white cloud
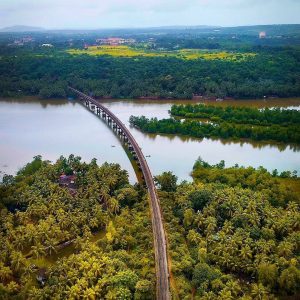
[[114, 13]]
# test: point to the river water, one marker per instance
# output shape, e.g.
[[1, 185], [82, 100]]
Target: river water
[[30, 127]]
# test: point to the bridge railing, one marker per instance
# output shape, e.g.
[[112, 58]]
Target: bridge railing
[[160, 246]]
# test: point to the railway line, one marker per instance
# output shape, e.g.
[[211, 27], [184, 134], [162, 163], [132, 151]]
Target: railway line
[[159, 236]]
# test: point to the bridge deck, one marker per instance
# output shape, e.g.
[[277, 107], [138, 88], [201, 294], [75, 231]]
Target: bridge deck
[[160, 247]]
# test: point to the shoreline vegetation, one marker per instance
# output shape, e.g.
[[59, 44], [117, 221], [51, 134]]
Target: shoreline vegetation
[[221, 222], [224, 130], [226, 122], [232, 232], [239, 102]]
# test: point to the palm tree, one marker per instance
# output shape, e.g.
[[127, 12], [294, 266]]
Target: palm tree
[[89, 294], [113, 205], [259, 292], [74, 292], [17, 260], [5, 272], [38, 250], [234, 288], [50, 244], [285, 249], [246, 253], [225, 295]]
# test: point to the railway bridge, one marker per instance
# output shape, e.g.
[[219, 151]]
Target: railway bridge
[[159, 237]]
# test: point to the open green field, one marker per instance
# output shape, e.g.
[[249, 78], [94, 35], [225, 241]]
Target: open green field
[[186, 54]]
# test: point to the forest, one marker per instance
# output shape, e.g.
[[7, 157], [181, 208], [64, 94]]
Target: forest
[[105, 224], [225, 130], [270, 71], [240, 115], [233, 233]]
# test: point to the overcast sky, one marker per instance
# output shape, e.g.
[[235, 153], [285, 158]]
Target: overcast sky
[[144, 13]]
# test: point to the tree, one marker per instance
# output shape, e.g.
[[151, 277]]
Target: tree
[[203, 273], [38, 250], [5, 272], [268, 274], [166, 181], [143, 290], [7, 179], [18, 261], [200, 198], [259, 292], [289, 279]]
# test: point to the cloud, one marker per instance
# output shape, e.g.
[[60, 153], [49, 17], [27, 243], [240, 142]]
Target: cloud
[[112, 13]]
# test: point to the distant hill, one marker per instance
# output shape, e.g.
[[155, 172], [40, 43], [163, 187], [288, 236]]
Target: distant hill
[[276, 29], [21, 28]]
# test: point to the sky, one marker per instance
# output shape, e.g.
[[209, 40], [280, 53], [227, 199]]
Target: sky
[[96, 14]]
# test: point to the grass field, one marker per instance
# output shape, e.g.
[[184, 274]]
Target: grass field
[[186, 54]]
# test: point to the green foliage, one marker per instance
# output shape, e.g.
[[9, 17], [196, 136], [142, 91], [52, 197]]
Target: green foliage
[[46, 73], [32, 167], [256, 179], [244, 228], [200, 198], [198, 129], [268, 274], [166, 181], [85, 243], [290, 279], [204, 274], [240, 115]]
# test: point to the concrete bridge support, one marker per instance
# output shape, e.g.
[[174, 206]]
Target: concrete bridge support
[[160, 245]]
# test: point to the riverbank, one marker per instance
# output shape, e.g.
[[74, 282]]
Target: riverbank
[[259, 103], [30, 127]]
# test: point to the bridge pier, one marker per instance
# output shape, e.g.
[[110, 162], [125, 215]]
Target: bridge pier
[[160, 248]]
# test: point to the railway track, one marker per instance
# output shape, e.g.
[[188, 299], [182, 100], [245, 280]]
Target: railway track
[[159, 236]]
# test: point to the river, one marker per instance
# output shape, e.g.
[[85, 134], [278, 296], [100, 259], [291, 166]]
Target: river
[[51, 128]]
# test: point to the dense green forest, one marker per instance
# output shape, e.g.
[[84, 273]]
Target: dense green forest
[[273, 70], [38, 216], [198, 129], [241, 115], [232, 233], [47, 76]]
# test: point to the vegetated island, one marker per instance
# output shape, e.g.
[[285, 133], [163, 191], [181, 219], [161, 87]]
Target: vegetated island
[[226, 122], [79, 230]]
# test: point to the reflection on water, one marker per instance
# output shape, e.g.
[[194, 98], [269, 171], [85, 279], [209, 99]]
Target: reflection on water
[[52, 128], [254, 144]]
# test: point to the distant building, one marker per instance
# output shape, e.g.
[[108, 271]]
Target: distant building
[[22, 41], [262, 35], [27, 39], [113, 41], [17, 43], [67, 180], [47, 45]]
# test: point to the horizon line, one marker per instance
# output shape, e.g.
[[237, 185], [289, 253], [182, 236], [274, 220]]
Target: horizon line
[[40, 28]]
